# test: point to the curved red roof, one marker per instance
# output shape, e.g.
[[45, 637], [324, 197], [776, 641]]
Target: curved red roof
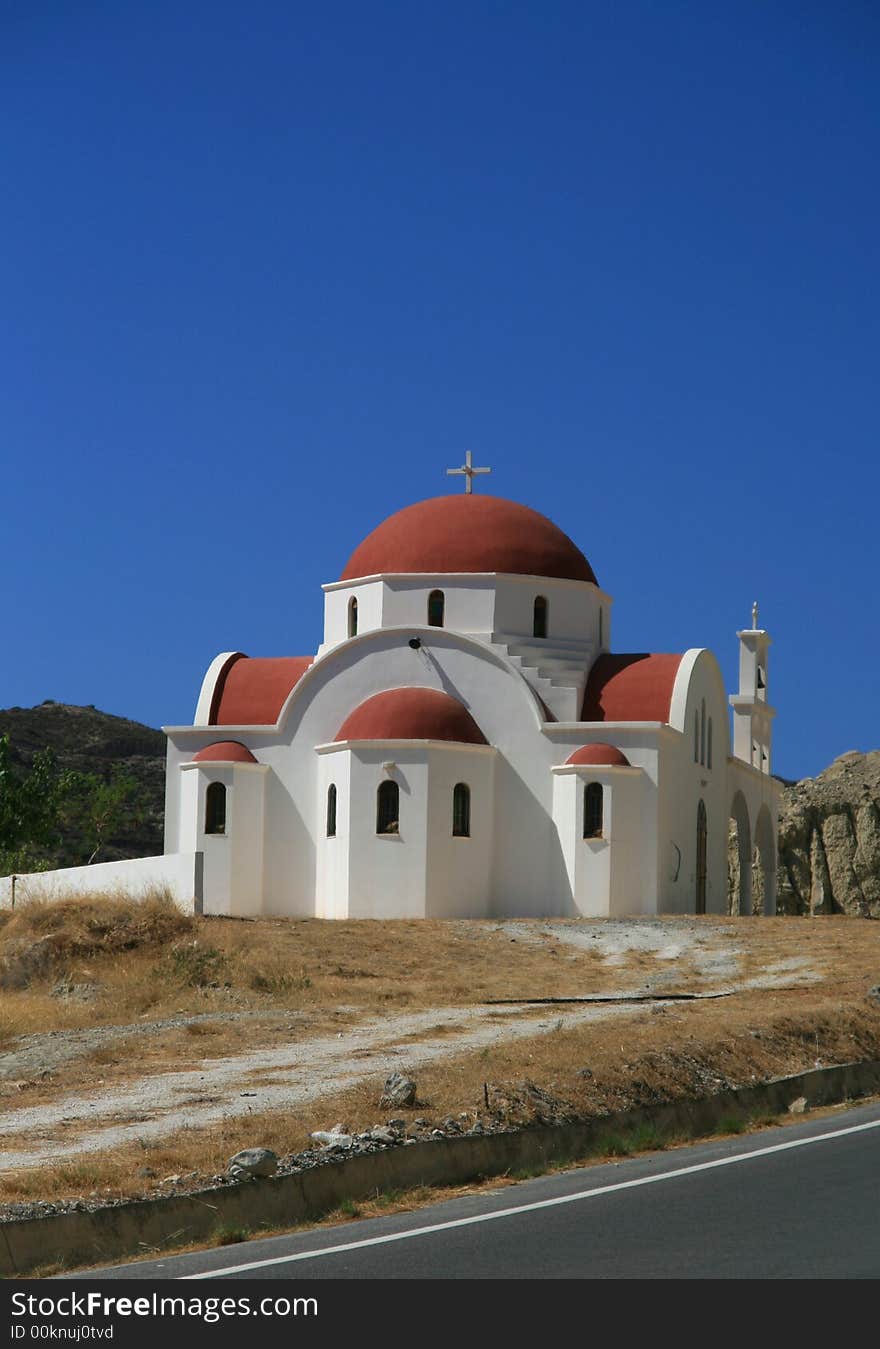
[[634, 687], [412, 714], [252, 691], [469, 533], [600, 755], [224, 751]]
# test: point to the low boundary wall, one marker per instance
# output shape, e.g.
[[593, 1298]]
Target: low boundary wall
[[178, 873]]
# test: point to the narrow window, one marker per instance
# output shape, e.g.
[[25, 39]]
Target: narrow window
[[593, 810], [215, 808], [696, 736], [352, 617], [703, 732], [461, 811], [436, 606], [331, 810], [539, 623], [709, 746], [388, 808]]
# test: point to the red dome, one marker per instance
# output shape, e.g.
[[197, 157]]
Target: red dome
[[252, 691], [635, 687], [608, 756], [224, 751], [411, 714], [468, 533]]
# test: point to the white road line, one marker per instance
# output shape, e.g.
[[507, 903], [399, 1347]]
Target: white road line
[[531, 1208]]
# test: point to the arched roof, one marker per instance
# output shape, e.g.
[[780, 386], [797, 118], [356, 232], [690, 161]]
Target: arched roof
[[633, 687], [468, 533], [411, 714], [252, 691], [608, 756], [224, 751]]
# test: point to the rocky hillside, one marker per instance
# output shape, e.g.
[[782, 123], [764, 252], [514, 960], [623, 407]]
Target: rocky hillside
[[829, 840], [90, 741]]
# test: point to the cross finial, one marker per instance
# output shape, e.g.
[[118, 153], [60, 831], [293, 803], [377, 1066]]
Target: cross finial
[[755, 616], [469, 471]]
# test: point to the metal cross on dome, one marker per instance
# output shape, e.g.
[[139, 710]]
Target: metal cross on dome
[[468, 470]]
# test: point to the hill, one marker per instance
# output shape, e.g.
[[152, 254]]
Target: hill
[[90, 741]]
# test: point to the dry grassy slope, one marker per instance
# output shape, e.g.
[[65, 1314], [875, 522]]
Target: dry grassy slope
[[137, 992]]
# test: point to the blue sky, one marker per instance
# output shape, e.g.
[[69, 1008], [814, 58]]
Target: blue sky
[[268, 269]]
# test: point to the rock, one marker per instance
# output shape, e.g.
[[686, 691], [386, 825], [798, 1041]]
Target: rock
[[383, 1134], [74, 992], [253, 1162], [333, 1138], [874, 993], [585, 1072], [146, 1173], [398, 1091], [25, 960], [798, 1107], [829, 841]]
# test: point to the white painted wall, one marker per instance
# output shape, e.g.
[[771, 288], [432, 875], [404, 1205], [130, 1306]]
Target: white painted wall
[[233, 865], [684, 781], [489, 606], [180, 874], [459, 870], [333, 854], [604, 874]]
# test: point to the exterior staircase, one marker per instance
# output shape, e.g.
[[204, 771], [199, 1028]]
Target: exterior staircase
[[557, 671]]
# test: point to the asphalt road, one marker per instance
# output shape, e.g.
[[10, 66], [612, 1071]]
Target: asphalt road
[[801, 1201]]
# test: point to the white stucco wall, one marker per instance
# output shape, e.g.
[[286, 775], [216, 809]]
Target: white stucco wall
[[489, 606], [684, 782], [180, 874], [233, 865], [459, 870]]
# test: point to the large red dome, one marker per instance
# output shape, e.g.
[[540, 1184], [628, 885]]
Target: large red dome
[[468, 533]]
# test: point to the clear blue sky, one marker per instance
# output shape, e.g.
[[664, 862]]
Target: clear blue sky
[[269, 268]]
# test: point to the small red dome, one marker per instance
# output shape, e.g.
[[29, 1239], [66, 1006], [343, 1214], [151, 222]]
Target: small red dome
[[469, 533], [411, 714], [224, 751], [608, 756]]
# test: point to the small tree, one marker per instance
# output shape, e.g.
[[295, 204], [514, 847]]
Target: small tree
[[97, 807], [30, 805]]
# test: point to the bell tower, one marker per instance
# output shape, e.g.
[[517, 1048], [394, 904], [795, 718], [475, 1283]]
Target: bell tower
[[752, 714]]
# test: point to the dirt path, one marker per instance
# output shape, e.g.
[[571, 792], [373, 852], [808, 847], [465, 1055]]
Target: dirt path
[[302, 1070]]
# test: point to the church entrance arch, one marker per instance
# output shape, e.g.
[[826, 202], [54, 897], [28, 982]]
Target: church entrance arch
[[702, 858], [764, 865], [739, 858]]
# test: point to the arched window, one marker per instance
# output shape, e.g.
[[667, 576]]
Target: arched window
[[436, 606], [709, 745], [539, 622], [215, 808], [461, 811], [352, 617], [388, 808], [593, 810], [703, 732], [702, 858], [696, 736], [331, 810]]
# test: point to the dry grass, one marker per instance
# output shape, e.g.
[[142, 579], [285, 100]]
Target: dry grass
[[147, 962]]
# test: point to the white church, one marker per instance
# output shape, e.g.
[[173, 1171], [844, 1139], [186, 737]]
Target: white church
[[464, 742]]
